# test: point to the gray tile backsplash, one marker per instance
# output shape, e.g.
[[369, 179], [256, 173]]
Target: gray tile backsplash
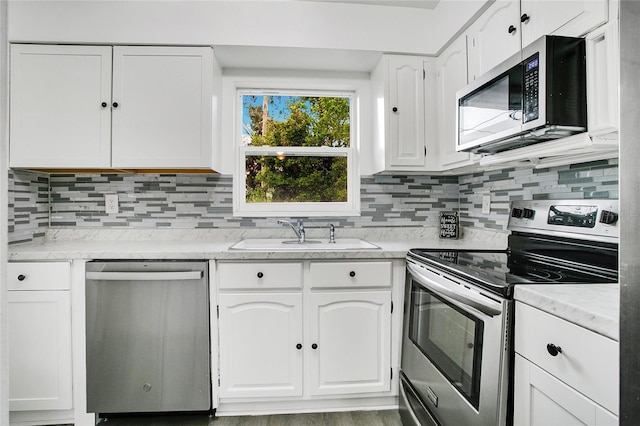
[[38, 201], [28, 214], [598, 179]]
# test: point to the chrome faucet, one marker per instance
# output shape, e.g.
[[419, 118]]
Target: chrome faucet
[[299, 230]]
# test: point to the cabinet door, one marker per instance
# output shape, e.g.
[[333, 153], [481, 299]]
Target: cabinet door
[[490, 40], [603, 70], [163, 117], [566, 17], [39, 350], [406, 144], [452, 76], [351, 332], [259, 334], [543, 400], [57, 115]]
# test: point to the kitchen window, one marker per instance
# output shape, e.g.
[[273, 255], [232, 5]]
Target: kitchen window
[[295, 154]]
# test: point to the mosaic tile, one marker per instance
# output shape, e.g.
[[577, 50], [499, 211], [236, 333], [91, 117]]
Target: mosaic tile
[[37, 201]]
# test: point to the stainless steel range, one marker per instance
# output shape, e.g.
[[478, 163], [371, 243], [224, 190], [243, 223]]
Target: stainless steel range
[[457, 340]]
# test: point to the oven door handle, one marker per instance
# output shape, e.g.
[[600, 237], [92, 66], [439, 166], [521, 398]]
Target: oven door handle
[[453, 293]]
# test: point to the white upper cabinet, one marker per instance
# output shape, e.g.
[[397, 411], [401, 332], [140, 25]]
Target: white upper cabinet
[[451, 67], [508, 25], [572, 18], [163, 113], [398, 88], [603, 76], [60, 106], [406, 112], [494, 37], [63, 113]]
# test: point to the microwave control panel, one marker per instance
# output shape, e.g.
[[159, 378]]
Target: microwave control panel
[[530, 102]]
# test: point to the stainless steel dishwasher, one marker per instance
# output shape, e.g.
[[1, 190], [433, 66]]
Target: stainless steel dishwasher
[[147, 336]]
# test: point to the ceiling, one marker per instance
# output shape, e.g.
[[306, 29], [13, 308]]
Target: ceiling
[[420, 4]]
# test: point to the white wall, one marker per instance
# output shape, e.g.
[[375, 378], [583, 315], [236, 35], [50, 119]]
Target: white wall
[[244, 23]]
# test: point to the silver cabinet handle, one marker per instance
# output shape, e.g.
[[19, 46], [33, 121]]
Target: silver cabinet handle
[[452, 292], [144, 276]]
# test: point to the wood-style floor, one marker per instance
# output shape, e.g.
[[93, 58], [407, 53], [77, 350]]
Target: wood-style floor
[[347, 418]]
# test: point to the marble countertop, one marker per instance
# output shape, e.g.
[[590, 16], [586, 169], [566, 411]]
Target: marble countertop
[[593, 306], [215, 244]]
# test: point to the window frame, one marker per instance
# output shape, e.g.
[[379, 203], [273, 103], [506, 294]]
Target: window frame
[[311, 209]]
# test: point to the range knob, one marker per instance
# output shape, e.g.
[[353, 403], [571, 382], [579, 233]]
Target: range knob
[[608, 217], [528, 213], [516, 212]]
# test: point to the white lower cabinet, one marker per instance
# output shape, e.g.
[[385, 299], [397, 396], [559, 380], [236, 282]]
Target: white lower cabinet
[[259, 334], [282, 343], [564, 374], [350, 342], [39, 337], [544, 400]]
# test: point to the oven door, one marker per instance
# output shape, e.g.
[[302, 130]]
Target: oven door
[[456, 348]]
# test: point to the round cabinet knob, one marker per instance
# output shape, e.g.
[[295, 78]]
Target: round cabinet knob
[[394, 109], [146, 387], [314, 346], [21, 277], [352, 274], [115, 105], [512, 29], [104, 104], [525, 18], [260, 274], [553, 349], [299, 346]]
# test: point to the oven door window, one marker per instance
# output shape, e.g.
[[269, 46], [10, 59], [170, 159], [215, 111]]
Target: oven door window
[[450, 337]]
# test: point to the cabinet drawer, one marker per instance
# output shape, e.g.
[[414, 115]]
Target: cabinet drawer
[[259, 275], [350, 274], [588, 361], [39, 276]]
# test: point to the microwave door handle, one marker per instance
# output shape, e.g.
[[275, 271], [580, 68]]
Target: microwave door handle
[[451, 293]]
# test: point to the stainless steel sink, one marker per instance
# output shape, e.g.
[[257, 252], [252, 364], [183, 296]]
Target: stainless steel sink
[[269, 244]]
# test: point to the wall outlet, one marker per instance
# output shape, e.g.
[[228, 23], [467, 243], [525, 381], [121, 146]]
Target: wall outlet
[[486, 204], [111, 203]]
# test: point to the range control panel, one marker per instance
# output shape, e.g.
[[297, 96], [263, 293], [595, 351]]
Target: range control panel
[[574, 218]]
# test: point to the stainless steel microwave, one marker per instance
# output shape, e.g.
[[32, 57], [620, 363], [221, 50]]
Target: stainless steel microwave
[[540, 94]]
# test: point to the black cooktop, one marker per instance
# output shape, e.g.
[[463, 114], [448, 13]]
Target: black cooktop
[[551, 242], [500, 270]]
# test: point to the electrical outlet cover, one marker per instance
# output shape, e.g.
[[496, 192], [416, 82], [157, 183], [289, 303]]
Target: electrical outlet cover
[[111, 203], [486, 204]]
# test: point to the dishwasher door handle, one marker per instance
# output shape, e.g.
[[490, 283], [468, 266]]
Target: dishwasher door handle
[[145, 276]]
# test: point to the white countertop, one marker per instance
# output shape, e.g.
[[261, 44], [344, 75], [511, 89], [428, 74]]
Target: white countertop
[[593, 306], [214, 244]]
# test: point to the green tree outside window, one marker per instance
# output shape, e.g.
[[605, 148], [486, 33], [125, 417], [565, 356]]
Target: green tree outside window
[[296, 121]]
